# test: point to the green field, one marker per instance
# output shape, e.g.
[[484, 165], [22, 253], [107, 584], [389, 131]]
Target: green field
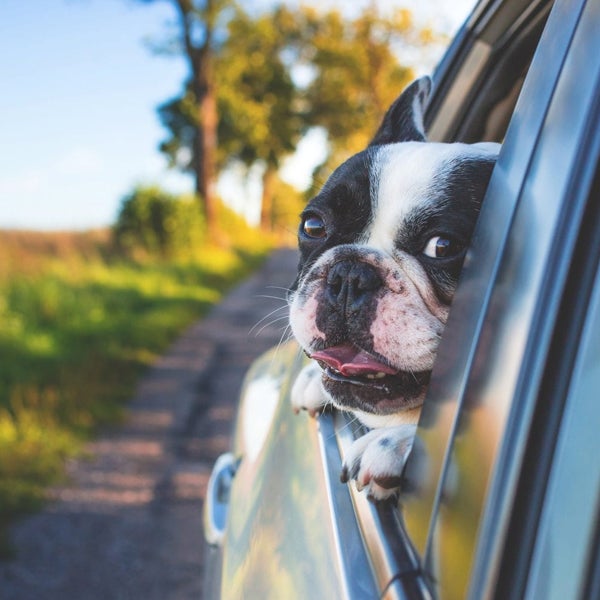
[[78, 327]]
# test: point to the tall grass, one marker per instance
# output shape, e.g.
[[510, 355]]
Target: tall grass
[[77, 328]]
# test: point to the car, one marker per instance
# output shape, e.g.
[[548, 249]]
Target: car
[[501, 493]]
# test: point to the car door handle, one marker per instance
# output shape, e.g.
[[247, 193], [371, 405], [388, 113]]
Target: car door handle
[[216, 504]]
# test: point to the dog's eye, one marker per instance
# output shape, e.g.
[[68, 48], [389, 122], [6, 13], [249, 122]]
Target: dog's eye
[[313, 227], [442, 247]]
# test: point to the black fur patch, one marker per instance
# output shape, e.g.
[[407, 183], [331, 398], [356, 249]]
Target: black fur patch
[[344, 205], [451, 212]]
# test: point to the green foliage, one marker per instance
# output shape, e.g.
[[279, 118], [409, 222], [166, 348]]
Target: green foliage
[[258, 116], [353, 76], [287, 205], [279, 73], [180, 116], [357, 75], [77, 331], [157, 223]]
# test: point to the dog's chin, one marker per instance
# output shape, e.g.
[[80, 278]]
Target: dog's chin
[[384, 395]]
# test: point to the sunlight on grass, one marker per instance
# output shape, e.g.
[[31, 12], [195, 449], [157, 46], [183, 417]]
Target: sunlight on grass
[[76, 334]]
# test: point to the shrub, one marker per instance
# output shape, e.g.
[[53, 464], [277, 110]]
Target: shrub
[[156, 223]]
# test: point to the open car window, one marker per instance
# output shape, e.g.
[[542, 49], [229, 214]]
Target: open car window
[[475, 92]]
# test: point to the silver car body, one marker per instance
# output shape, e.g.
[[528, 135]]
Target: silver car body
[[503, 488]]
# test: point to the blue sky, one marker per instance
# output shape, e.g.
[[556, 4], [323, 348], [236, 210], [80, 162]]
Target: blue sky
[[78, 122], [77, 112]]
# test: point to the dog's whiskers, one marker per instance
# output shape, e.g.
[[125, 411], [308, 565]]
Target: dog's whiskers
[[267, 316], [271, 297], [270, 323], [347, 425], [285, 337], [278, 287], [414, 376]]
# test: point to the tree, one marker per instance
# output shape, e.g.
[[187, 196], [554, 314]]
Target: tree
[[256, 101], [259, 118], [351, 74], [356, 74], [198, 23]]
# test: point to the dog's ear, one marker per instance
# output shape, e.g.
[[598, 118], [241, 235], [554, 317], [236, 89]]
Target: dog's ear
[[403, 121]]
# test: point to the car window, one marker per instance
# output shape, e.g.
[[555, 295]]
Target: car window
[[486, 379], [477, 85]]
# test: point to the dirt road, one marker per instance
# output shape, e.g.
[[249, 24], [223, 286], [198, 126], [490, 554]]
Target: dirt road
[[128, 525]]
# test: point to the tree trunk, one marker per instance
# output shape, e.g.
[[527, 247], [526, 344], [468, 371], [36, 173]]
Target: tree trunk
[[266, 207], [205, 145], [206, 148]]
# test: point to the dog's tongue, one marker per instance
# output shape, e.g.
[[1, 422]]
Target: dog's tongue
[[349, 361]]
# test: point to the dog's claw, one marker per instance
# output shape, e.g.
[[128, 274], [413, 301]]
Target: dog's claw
[[376, 461], [344, 474], [388, 483]]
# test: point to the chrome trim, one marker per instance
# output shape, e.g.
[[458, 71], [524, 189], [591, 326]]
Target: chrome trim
[[383, 563], [354, 561], [395, 565]]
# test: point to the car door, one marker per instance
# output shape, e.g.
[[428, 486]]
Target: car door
[[514, 370]]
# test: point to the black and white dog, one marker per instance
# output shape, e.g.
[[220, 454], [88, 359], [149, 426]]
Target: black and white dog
[[382, 245]]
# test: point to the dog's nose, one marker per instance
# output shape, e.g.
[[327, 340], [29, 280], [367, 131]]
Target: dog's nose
[[351, 284]]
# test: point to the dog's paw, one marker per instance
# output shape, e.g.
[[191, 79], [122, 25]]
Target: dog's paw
[[307, 391], [376, 460]]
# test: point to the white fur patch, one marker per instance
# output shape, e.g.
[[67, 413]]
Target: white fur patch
[[307, 391], [303, 319], [404, 175], [405, 333]]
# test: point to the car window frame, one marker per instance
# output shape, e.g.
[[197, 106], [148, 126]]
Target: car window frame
[[540, 503]]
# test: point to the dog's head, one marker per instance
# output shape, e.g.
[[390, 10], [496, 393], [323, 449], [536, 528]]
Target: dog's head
[[382, 245]]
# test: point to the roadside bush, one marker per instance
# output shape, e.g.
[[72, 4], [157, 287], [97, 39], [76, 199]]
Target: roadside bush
[[153, 222], [234, 231]]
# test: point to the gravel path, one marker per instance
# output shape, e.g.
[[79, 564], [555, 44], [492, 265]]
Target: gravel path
[[128, 525]]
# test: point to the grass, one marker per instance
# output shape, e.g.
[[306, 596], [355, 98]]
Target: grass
[[78, 327]]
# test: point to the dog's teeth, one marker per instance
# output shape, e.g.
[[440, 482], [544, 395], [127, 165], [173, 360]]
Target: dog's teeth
[[375, 375]]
